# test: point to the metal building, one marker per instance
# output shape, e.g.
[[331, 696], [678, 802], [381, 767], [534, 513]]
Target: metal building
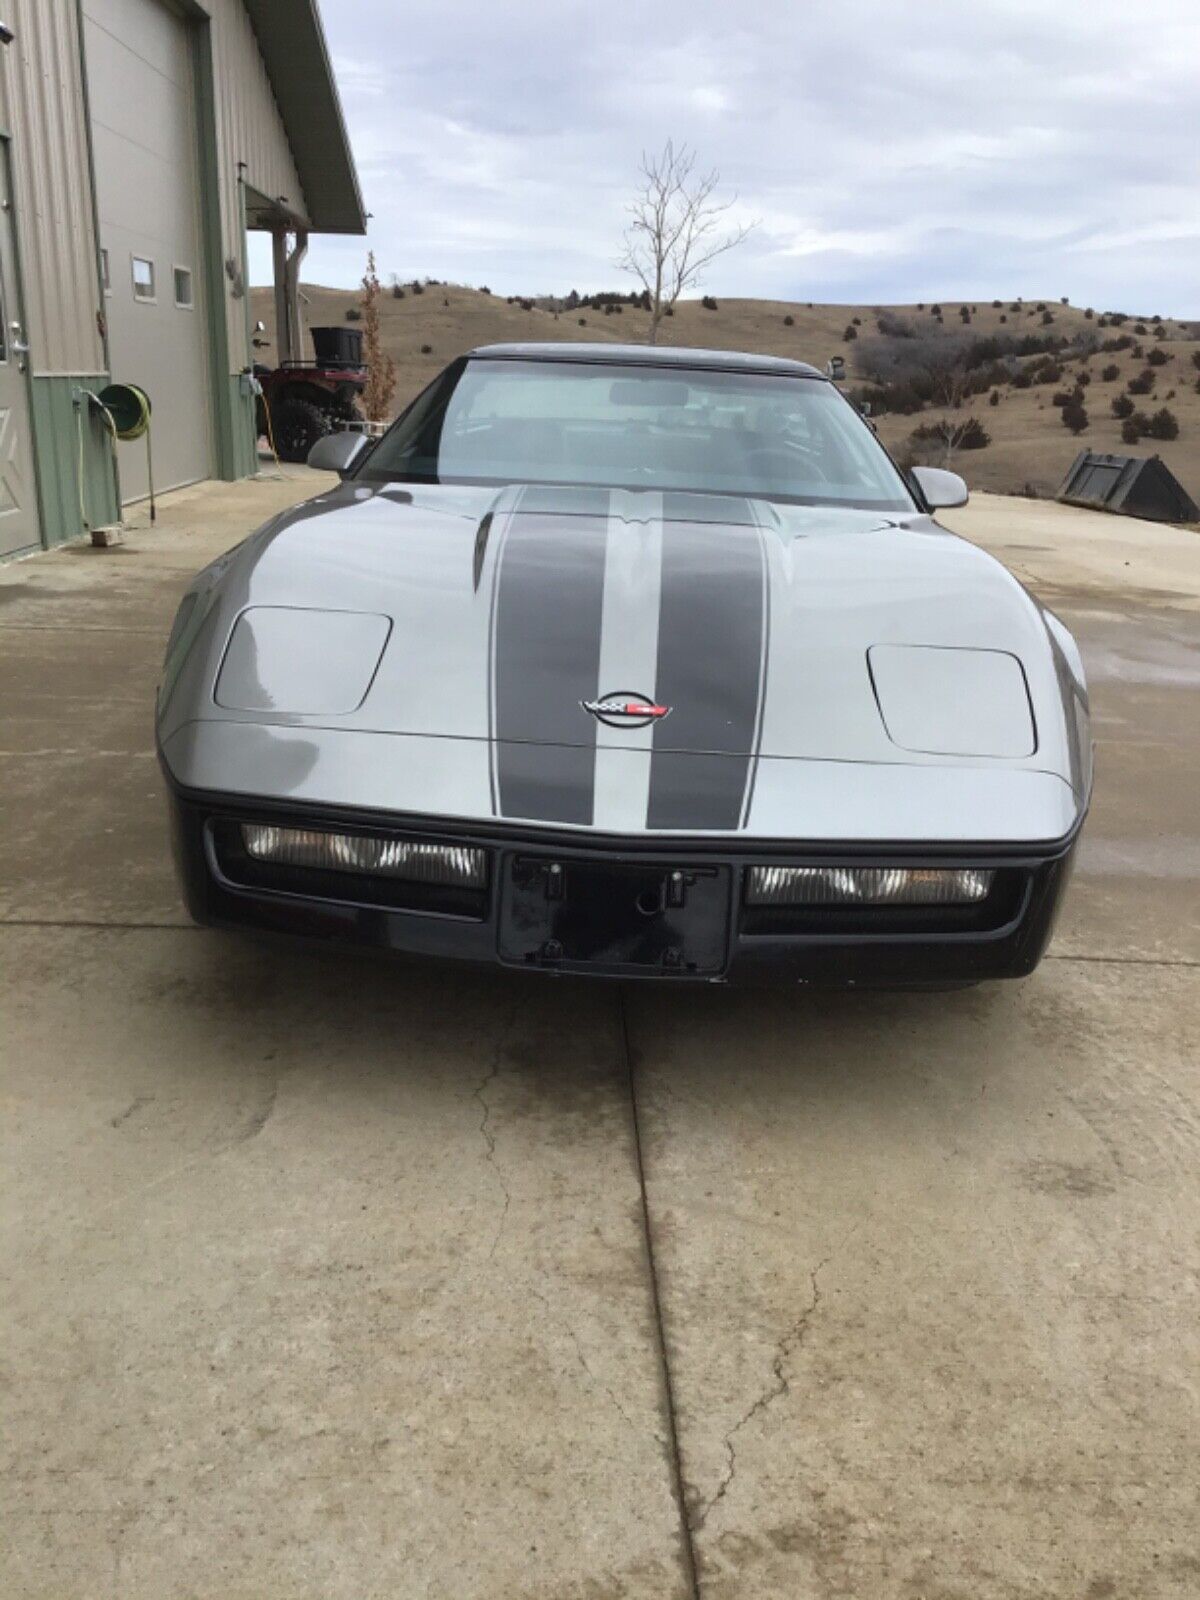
[[139, 140]]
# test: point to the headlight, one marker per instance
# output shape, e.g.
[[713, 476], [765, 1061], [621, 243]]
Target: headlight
[[866, 886], [460, 865]]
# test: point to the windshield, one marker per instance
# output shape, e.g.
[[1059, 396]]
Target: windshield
[[639, 427]]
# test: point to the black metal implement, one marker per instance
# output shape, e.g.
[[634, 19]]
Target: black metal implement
[[620, 917]]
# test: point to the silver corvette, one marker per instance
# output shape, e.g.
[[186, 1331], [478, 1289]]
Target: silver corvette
[[635, 662]]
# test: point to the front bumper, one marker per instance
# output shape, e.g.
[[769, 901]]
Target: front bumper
[[670, 909]]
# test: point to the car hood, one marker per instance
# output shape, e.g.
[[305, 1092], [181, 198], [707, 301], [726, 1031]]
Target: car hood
[[534, 618]]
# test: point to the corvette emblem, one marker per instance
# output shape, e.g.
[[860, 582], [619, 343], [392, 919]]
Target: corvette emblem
[[625, 710]]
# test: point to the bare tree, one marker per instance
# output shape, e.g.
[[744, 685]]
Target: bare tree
[[675, 229]]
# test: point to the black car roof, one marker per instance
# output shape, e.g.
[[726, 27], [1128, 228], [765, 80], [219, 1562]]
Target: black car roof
[[648, 355]]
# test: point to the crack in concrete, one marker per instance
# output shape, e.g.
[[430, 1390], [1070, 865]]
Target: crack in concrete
[[130, 1110], [581, 1356], [781, 1385], [261, 1115], [485, 1130]]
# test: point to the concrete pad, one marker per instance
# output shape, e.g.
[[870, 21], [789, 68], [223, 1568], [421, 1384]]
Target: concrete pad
[[326, 1279], [928, 1270]]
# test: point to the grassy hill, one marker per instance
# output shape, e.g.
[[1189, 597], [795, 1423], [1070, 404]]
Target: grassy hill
[[1030, 447]]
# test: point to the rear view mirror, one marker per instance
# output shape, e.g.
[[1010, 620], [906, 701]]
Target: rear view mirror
[[648, 392], [337, 452], [941, 489]]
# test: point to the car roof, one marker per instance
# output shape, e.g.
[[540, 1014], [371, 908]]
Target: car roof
[[648, 355]]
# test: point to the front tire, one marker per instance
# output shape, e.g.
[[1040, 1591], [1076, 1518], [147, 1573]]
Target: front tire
[[298, 424]]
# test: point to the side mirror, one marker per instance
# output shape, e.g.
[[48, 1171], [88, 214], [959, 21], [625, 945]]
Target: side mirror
[[941, 489], [337, 452]]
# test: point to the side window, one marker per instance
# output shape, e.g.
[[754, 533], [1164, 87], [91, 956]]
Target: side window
[[183, 288], [143, 278]]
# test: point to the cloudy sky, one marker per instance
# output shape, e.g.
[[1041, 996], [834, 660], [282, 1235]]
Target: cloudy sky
[[891, 150]]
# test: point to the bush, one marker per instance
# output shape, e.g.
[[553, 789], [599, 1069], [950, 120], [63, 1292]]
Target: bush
[[965, 313], [969, 435], [709, 303], [935, 311], [353, 314], [789, 321], [1157, 357], [1196, 359], [851, 332], [583, 322], [397, 291], [483, 289], [1110, 373], [1088, 313], [1129, 430], [1123, 341], [1062, 398], [1075, 417], [1082, 378], [857, 321], [1142, 384], [1122, 406], [1139, 327], [417, 286], [1163, 425], [994, 398], [1047, 318], [995, 305], [1003, 316], [426, 349]]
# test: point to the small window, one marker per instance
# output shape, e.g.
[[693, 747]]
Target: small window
[[143, 278], [105, 275], [183, 288]]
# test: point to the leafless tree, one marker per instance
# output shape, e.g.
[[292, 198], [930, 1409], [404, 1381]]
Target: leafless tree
[[381, 369], [675, 228]]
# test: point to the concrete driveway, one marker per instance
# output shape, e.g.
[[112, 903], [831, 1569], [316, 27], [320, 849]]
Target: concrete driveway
[[333, 1278]]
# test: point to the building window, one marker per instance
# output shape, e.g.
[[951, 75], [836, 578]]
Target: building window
[[105, 276], [183, 288], [143, 278]]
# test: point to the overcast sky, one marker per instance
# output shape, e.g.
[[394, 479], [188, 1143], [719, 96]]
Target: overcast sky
[[892, 150]]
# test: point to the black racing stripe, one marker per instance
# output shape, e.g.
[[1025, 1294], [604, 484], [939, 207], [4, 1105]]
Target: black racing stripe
[[710, 639], [545, 660]]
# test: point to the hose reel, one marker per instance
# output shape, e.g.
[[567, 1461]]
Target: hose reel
[[130, 410]]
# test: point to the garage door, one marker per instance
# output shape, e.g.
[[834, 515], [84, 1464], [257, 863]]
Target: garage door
[[142, 94]]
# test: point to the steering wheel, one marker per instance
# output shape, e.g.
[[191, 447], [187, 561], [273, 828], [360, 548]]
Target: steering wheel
[[781, 459]]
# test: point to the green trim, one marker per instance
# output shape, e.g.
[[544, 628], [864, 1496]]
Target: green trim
[[228, 425], [241, 401], [55, 429]]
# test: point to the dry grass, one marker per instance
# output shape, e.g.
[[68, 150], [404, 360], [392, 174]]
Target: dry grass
[[1030, 446]]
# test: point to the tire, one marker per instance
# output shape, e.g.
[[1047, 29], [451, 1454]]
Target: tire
[[298, 424]]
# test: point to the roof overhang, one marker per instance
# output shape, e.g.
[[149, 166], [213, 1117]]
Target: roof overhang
[[294, 52]]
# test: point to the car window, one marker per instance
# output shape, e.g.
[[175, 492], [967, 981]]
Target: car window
[[638, 427]]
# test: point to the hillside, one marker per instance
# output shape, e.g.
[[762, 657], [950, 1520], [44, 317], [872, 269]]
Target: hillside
[[1030, 447]]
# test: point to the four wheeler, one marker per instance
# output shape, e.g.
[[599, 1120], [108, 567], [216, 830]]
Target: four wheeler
[[301, 401]]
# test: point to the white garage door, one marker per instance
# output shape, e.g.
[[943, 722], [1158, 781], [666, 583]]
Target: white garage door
[[142, 95]]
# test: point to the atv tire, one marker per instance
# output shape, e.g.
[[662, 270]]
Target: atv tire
[[298, 424]]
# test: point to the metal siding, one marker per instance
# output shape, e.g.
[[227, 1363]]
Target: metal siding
[[55, 220], [250, 130]]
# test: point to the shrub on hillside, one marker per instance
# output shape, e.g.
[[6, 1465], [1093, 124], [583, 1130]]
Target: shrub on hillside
[[1110, 373], [851, 332], [426, 349], [417, 286], [789, 321], [1142, 384], [353, 314], [1158, 357], [1075, 417], [1063, 397], [398, 291], [1130, 433], [709, 303], [1164, 424], [965, 313], [1123, 341], [1047, 318], [994, 398], [583, 322], [1004, 316], [1088, 313], [1122, 406], [968, 435], [1140, 327], [1082, 378]]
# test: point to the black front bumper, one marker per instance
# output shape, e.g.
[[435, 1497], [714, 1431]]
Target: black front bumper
[[653, 908]]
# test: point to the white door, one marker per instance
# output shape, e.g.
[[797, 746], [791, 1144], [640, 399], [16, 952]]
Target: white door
[[18, 493], [143, 105]]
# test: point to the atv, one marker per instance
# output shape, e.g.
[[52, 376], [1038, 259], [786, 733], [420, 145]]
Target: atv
[[300, 402]]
